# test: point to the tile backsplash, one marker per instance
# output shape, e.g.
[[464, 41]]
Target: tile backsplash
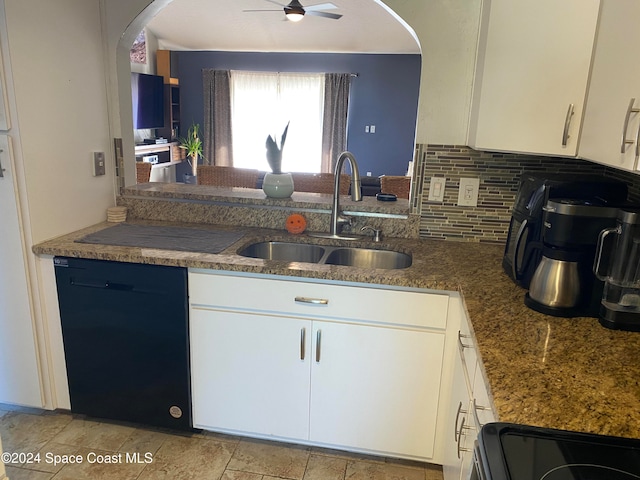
[[499, 175]]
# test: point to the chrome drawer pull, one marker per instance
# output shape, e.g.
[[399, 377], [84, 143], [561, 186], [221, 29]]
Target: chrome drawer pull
[[475, 413], [455, 426], [460, 344], [567, 122], [318, 345], [313, 301], [625, 126], [460, 449], [303, 335]]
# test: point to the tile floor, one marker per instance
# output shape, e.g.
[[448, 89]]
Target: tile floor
[[179, 456]]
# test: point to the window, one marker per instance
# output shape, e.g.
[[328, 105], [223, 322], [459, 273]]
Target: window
[[262, 103]]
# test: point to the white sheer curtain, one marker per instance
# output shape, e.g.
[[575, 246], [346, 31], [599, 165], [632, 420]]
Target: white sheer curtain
[[262, 103]]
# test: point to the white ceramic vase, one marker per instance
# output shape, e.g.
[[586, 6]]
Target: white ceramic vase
[[277, 185]]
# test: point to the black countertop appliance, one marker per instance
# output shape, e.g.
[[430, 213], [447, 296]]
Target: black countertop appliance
[[126, 345], [506, 451], [523, 249]]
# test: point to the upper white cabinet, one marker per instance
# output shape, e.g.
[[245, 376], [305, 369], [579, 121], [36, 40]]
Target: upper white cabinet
[[612, 116], [531, 75]]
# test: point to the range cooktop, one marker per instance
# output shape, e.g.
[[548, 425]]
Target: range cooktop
[[518, 452]]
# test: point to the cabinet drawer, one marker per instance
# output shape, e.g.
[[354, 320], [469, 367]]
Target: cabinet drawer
[[306, 299]]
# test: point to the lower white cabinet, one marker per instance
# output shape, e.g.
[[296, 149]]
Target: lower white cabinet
[[470, 406], [299, 368]]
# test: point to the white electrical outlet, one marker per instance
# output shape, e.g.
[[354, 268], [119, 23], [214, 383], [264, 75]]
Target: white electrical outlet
[[436, 189], [468, 193], [372, 129], [366, 129]]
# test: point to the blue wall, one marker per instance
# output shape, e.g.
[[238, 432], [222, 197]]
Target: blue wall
[[384, 94]]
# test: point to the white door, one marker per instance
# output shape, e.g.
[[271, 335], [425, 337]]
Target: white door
[[250, 373], [614, 89], [375, 388], [532, 70], [19, 377]]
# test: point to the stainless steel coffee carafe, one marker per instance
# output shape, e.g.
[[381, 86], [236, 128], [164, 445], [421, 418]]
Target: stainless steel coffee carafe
[[617, 263], [563, 284]]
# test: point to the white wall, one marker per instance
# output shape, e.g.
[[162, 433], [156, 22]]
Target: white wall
[[60, 93], [448, 32]]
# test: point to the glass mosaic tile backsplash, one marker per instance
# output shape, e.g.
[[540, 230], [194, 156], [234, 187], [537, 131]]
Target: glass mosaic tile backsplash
[[499, 175]]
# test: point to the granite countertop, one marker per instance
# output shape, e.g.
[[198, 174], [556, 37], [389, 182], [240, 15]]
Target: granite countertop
[[551, 372]]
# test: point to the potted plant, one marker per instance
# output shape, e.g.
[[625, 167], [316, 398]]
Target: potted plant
[[192, 144], [277, 184]]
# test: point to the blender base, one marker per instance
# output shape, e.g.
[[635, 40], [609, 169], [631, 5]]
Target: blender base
[[617, 320]]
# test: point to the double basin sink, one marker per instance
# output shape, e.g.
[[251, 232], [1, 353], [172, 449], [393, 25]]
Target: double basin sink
[[328, 255]]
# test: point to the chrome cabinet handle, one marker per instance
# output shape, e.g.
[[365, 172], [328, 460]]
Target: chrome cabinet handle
[[625, 126], [303, 336], [313, 301], [567, 122], [318, 345], [635, 165], [461, 345], [477, 407], [459, 448], [2, 170], [455, 426]]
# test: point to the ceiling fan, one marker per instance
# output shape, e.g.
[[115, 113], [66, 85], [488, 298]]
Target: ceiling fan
[[294, 10]]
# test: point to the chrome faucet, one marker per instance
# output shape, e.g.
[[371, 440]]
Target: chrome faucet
[[338, 220]]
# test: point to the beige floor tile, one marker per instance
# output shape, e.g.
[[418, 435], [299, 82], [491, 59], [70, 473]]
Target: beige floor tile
[[387, 471], [188, 458], [15, 473], [434, 472], [144, 441], [321, 467], [347, 455], [48, 460], [234, 475], [268, 458], [23, 432], [93, 434], [100, 465]]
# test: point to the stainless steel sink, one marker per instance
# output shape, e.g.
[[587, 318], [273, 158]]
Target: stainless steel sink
[[310, 253], [284, 251], [368, 258]]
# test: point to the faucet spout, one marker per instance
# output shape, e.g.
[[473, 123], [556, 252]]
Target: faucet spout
[[338, 220]]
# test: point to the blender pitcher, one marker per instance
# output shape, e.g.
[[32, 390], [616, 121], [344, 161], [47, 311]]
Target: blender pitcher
[[617, 264]]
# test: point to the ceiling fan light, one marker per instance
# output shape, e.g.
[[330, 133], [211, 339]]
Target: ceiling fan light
[[295, 16]]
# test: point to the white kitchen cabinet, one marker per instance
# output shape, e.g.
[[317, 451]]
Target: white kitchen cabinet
[[376, 388], [531, 78], [249, 373], [334, 365], [611, 127], [470, 405]]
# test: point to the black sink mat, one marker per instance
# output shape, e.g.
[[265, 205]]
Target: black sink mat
[[166, 238]]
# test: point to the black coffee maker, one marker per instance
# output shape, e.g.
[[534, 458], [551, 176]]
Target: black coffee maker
[[523, 250], [563, 284]]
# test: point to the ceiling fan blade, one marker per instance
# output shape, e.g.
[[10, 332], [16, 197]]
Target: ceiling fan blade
[[333, 16], [262, 11], [320, 6]]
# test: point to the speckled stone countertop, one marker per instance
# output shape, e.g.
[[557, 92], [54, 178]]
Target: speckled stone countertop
[[545, 371]]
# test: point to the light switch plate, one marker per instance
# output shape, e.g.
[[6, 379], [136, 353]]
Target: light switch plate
[[436, 189], [468, 193], [99, 167]]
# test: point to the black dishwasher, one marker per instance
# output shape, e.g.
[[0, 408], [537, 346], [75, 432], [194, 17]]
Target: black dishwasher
[[126, 344]]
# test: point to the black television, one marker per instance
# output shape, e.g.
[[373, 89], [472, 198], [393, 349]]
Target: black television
[[147, 95]]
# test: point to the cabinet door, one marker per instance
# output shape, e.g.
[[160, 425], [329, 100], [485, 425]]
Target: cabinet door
[[615, 82], [532, 66], [250, 373], [375, 388]]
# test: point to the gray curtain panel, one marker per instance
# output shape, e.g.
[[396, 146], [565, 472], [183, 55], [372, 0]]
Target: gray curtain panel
[[217, 117], [334, 123]]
